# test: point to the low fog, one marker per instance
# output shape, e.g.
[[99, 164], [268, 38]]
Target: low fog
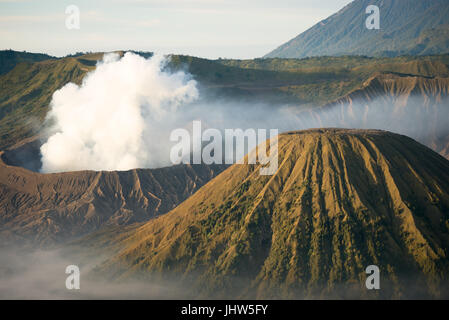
[[122, 115], [40, 274]]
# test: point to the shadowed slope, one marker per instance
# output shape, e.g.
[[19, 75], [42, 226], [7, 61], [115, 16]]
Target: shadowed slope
[[50, 208]]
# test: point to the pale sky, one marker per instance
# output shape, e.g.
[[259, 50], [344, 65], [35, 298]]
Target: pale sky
[[204, 28]]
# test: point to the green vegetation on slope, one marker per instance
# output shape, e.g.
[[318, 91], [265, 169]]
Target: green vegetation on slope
[[343, 74], [10, 58], [340, 200], [26, 91], [425, 65]]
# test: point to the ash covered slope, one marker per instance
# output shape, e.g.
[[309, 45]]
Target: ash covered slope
[[416, 106], [412, 27], [341, 200], [51, 208]]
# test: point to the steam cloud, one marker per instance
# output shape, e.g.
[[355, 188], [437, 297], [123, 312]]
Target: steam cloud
[[112, 120], [123, 113]]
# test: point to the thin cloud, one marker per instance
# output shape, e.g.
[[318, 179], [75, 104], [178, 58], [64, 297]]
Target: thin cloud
[[31, 18]]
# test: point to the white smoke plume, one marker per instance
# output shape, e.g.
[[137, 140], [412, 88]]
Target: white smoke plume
[[123, 113], [112, 120]]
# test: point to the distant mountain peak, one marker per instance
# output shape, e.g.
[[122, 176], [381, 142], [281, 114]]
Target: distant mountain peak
[[406, 27]]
